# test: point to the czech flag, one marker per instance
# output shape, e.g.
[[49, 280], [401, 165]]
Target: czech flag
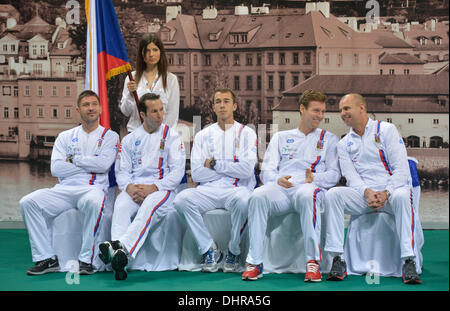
[[106, 55]]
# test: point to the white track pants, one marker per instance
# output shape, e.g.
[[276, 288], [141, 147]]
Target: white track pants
[[344, 200], [192, 203], [40, 207], [274, 200], [132, 234]]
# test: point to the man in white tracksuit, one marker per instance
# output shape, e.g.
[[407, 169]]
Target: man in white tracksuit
[[373, 159], [299, 165], [149, 167], [81, 159], [223, 160]]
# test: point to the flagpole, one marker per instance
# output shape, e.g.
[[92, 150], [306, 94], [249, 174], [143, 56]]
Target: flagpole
[[136, 98]]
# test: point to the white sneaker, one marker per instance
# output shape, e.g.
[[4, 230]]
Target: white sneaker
[[211, 259], [231, 262]]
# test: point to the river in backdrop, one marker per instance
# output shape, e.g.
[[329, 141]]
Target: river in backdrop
[[20, 178]]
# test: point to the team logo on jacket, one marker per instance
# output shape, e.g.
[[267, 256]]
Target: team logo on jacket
[[290, 141], [75, 139], [319, 144], [377, 138], [137, 143]]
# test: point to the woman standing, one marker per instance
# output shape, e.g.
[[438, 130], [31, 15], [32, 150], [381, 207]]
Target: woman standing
[[151, 76]]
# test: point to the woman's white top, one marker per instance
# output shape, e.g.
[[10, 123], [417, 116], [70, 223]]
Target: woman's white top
[[170, 98]]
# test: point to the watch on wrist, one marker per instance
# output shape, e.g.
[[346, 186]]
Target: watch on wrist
[[388, 194], [212, 163]]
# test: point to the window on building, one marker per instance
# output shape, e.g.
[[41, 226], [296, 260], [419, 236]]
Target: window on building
[[295, 58], [207, 60], [67, 90], [12, 47], [27, 90], [5, 48], [258, 83], [68, 113], [16, 112], [258, 104], [207, 81], [55, 113], [327, 58], [295, 80], [195, 60], [54, 91], [170, 59], [42, 50], [287, 120], [381, 72], [406, 71], [16, 91], [249, 59], [340, 59], [435, 121], [40, 112], [181, 82], [6, 90], [270, 59], [249, 83], [410, 121], [307, 58], [40, 91], [180, 60], [270, 82], [282, 59], [27, 112], [37, 69], [269, 104], [195, 81], [307, 74], [237, 83], [258, 59], [5, 112], [355, 59], [27, 135], [236, 59], [369, 59], [326, 120], [391, 71], [389, 120], [282, 82]]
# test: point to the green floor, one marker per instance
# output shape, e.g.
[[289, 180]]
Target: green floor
[[15, 258]]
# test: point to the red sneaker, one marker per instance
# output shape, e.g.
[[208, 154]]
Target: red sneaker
[[253, 272], [312, 272]]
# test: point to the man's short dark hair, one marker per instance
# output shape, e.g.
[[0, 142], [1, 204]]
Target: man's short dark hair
[[225, 90], [86, 93], [147, 96], [312, 95]]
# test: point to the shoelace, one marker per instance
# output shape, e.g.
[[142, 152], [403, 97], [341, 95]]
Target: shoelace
[[312, 267], [44, 262], [251, 268], [231, 258], [209, 257]]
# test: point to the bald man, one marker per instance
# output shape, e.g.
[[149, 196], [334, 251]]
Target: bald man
[[373, 159]]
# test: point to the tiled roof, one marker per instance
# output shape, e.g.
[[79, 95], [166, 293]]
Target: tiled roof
[[399, 58], [266, 31], [376, 84]]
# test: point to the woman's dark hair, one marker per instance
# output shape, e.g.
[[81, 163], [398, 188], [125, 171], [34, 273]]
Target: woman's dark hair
[[163, 64]]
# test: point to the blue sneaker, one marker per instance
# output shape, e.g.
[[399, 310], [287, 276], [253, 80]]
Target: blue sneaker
[[231, 262], [211, 259]]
